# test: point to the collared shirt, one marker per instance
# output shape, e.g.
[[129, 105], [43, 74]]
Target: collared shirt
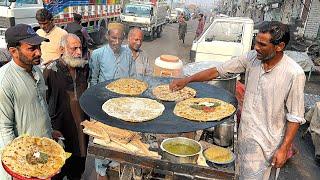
[[271, 99], [23, 109], [142, 64], [105, 65], [51, 50]]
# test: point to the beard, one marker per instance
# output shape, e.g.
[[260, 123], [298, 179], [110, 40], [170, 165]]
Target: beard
[[74, 62], [24, 59], [268, 57]]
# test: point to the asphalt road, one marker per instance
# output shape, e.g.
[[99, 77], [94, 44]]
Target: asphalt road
[[168, 43], [301, 166]]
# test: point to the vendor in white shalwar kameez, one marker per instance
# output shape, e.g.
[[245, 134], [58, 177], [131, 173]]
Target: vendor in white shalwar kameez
[[273, 106]]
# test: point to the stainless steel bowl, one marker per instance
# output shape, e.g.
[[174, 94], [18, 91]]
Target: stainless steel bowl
[[178, 158]]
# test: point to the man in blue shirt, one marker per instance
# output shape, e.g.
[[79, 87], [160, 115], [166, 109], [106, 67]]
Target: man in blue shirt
[[112, 60]]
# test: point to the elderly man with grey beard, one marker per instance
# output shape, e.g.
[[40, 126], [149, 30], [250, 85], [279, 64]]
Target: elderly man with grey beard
[[67, 79]]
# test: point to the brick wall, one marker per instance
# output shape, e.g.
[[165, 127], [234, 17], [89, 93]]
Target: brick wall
[[313, 21]]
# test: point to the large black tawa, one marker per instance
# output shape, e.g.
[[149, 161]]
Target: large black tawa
[[93, 98]]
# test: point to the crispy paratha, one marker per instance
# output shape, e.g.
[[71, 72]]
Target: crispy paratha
[[203, 109], [163, 92], [34, 157], [133, 109], [127, 86]]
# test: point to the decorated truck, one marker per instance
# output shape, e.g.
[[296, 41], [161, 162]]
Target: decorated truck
[[96, 14], [149, 15]]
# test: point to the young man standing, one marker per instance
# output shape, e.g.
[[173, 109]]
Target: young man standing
[[50, 50], [23, 109]]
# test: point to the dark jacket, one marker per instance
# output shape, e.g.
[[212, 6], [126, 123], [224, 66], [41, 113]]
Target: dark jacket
[[64, 109], [75, 28]]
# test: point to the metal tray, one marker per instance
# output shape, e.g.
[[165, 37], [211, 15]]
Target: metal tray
[[93, 98]]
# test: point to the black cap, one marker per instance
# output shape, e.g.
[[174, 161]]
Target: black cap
[[23, 33]]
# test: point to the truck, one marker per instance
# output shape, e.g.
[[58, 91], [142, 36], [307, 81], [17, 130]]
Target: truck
[[148, 15], [95, 13], [225, 38]]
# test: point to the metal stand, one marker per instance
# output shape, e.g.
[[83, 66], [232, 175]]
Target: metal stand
[[169, 170]]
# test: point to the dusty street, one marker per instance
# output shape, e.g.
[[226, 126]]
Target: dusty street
[[301, 166]]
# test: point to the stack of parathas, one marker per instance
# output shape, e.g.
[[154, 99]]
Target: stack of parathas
[[133, 109], [163, 92], [203, 109], [34, 157], [127, 86]]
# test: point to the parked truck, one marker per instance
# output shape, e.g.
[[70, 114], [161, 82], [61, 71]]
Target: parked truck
[[96, 14], [149, 15]]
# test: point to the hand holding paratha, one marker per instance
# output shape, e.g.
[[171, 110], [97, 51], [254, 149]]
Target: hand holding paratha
[[178, 84]]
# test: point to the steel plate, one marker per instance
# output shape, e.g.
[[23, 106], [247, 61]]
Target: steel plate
[[93, 98]]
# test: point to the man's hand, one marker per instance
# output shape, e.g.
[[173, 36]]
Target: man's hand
[[56, 135], [178, 84], [280, 157]]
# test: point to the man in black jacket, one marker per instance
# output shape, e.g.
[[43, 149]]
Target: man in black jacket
[[77, 29]]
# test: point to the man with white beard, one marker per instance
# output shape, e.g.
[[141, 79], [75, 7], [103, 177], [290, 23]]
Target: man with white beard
[[67, 79]]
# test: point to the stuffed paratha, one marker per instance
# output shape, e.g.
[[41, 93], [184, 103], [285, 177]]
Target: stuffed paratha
[[133, 109], [203, 109], [163, 92], [33, 157], [127, 86]]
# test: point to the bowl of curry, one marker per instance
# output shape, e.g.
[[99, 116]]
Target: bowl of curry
[[181, 150]]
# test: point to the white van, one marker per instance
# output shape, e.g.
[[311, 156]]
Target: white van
[[225, 38]]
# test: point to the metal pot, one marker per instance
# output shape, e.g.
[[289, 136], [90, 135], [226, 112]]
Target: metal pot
[[228, 83], [223, 133], [178, 158]]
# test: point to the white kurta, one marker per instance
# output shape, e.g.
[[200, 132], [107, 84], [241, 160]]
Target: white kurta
[[271, 99]]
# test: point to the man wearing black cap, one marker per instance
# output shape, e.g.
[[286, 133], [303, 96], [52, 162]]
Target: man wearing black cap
[[23, 109]]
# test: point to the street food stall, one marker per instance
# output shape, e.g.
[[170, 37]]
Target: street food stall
[[167, 122]]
